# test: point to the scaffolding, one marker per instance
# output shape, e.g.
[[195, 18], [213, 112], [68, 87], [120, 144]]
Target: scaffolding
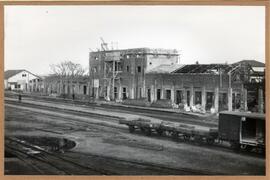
[[112, 69]]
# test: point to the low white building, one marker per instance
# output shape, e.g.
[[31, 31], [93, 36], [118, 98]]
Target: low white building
[[18, 79]]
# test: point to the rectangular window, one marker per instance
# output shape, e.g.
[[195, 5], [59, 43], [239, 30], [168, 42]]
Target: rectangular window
[[139, 69], [149, 95], [168, 94], [124, 93], [198, 97], [236, 100], [127, 68], [140, 92], [179, 96], [222, 101], [209, 100], [115, 93], [84, 89], [188, 98], [116, 66], [158, 94]]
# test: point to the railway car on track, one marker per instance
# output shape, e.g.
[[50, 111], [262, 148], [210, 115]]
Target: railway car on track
[[173, 129], [241, 129]]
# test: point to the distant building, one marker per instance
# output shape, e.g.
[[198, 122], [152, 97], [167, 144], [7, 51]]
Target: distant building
[[257, 69], [254, 84], [19, 79], [66, 86]]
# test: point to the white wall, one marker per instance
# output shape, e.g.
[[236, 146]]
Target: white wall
[[258, 69], [23, 81]]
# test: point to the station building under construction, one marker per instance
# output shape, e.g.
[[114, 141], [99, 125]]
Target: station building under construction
[[156, 74]]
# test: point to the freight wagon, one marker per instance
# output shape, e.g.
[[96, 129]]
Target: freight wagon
[[241, 129], [173, 129]]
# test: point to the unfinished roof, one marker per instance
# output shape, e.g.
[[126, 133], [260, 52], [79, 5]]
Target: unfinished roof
[[10, 73], [204, 68], [252, 63], [165, 68], [143, 50]]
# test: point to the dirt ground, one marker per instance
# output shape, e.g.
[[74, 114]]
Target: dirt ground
[[99, 144]]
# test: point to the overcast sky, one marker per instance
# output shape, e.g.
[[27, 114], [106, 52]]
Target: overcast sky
[[37, 36]]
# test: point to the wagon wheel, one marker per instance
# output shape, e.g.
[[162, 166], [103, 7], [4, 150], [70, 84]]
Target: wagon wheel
[[131, 129], [175, 135], [243, 146], [148, 131], [246, 147], [198, 139], [186, 137], [160, 131], [142, 129], [210, 141]]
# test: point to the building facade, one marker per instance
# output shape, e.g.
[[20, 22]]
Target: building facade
[[19, 80], [156, 74], [206, 85], [67, 86], [121, 74]]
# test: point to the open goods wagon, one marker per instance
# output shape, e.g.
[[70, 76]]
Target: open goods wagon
[[241, 129], [174, 129]]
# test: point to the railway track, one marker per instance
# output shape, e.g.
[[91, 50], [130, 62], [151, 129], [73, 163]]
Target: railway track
[[92, 116], [63, 165], [68, 166], [68, 111], [168, 116]]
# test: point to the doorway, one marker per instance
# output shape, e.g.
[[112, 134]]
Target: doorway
[[198, 97], [179, 96], [209, 100]]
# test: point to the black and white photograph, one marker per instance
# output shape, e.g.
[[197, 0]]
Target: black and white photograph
[[134, 90]]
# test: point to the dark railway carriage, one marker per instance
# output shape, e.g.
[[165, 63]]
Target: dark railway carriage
[[243, 130]]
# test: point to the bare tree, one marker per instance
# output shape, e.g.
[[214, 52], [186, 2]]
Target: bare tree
[[67, 70]]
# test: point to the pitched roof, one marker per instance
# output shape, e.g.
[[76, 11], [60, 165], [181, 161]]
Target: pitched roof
[[10, 73], [165, 68], [252, 63]]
